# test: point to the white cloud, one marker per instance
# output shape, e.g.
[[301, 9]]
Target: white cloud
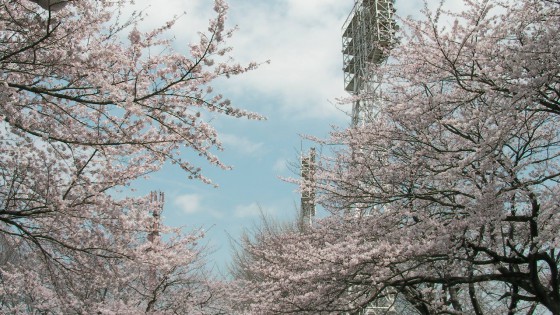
[[188, 203], [302, 40], [193, 204], [240, 144], [251, 210], [280, 166], [194, 15]]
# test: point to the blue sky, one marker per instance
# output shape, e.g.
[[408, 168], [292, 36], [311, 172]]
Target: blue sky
[[297, 92]]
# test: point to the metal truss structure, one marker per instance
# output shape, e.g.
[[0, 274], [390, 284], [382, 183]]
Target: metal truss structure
[[368, 35], [157, 200], [307, 210]]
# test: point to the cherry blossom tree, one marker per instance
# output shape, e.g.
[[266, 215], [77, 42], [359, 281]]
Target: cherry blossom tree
[[89, 103], [147, 275], [256, 236], [448, 196]]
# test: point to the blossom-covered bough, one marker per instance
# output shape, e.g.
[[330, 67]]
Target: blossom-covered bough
[[459, 170], [89, 103]]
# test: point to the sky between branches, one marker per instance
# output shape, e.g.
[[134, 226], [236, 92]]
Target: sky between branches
[[297, 92]]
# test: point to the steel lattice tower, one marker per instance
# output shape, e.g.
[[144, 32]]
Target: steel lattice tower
[[307, 210], [368, 35]]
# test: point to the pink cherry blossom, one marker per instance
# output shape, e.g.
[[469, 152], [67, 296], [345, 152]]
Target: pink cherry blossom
[[88, 104], [446, 201]]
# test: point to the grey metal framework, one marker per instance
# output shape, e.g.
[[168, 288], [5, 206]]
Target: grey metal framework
[[385, 306], [307, 210], [368, 35], [157, 199]]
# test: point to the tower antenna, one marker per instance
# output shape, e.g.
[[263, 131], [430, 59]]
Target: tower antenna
[[368, 35]]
